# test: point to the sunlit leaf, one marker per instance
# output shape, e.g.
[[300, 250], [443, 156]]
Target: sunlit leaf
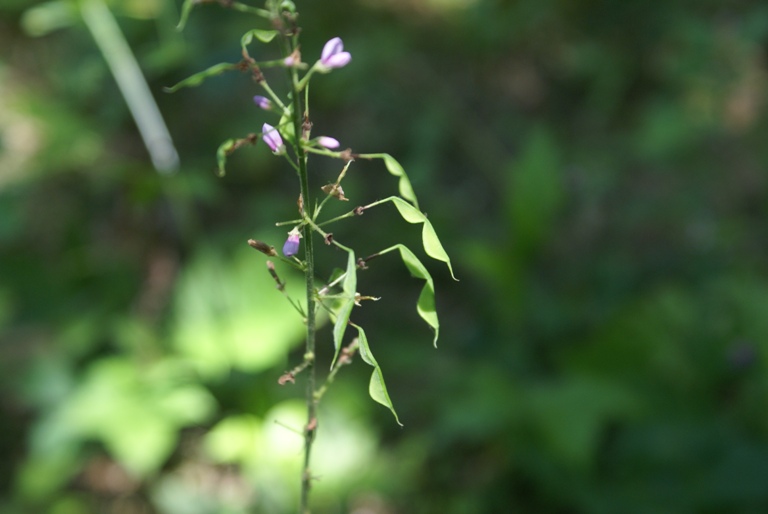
[[431, 242], [348, 302], [234, 439], [47, 17], [425, 306], [221, 155], [227, 313], [135, 412], [198, 78], [404, 185], [377, 388]]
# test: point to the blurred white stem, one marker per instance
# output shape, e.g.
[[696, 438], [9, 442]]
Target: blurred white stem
[[132, 84]]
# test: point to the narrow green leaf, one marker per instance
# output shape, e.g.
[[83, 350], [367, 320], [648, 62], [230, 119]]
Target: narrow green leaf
[[377, 388], [186, 8], [198, 78], [431, 242], [265, 36], [221, 155], [239, 6], [425, 305], [348, 302], [404, 185]]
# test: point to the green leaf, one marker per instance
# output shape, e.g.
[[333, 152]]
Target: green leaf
[[265, 36], [425, 306], [348, 302], [377, 388], [221, 155], [431, 242], [198, 78], [47, 17], [404, 185], [535, 191], [186, 8], [285, 125]]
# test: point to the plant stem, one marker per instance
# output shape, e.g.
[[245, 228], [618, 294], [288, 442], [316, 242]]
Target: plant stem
[[309, 276]]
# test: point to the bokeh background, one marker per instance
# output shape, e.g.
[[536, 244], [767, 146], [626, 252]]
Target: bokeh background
[[595, 168]]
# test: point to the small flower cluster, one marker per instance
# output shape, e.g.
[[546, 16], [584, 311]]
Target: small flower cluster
[[332, 56]]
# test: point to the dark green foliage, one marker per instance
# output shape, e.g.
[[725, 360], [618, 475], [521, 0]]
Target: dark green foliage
[[596, 170]]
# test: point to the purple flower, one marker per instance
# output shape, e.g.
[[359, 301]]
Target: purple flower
[[291, 246], [271, 136], [328, 142], [263, 102], [333, 55]]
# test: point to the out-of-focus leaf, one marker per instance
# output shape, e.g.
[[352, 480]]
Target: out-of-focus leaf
[[535, 190], [199, 78], [186, 8], [229, 315], [348, 302], [239, 6], [285, 125], [426, 303], [235, 439], [265, 36], [221, 156], [135, 413], [47, 17], [570, 416], [377, 388]]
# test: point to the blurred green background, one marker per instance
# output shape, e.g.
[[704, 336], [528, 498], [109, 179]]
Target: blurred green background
[[595, 168]]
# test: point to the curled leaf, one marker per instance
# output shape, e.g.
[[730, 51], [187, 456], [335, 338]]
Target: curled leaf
[[376, 388], [432, 245], [221, 155], [404, 184], [425, 305], [265, 36]]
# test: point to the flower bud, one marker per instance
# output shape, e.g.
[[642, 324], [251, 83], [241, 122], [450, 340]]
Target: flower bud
[[263, 102], [328, 142], [262, 247], [291, 246], [333, 55], [272, 137]]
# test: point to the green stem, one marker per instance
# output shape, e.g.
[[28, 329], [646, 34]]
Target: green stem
[[309, 274]]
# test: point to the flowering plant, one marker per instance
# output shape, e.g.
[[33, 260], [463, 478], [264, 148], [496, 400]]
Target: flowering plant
[[290, 138]]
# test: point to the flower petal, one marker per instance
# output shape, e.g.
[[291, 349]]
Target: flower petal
[[338, 60], [291, 246], [331, 48], [263, 102], [328, 142], [271, 137]]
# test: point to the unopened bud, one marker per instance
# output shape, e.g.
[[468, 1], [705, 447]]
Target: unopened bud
[[262, 247], [291, 246]]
